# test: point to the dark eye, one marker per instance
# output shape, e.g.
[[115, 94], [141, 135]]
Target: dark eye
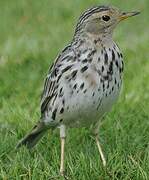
[[106, 18]]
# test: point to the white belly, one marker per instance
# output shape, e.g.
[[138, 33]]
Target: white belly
[[87, 108]]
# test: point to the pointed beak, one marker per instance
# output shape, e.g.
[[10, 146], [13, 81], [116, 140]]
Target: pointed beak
[[125, 15]]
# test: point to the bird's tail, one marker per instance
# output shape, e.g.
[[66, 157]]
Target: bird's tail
[[31, 139]]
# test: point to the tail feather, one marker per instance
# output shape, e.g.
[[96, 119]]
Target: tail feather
[[31, 139]]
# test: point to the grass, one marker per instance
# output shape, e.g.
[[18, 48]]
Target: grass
[[31, 35]]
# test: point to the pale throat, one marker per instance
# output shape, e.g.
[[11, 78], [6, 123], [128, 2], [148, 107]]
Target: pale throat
[[92, 40], [101, 39]]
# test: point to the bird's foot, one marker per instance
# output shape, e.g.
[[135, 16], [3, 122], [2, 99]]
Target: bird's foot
[[63, 174]]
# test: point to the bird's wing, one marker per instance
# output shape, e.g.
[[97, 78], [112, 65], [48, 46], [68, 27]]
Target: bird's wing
[[51, 81]]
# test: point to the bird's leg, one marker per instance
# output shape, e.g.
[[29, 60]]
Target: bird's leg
[[62, 136], [100, 151], [99, 146]]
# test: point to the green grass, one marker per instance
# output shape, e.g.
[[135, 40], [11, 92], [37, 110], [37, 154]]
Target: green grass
[[32, 33]]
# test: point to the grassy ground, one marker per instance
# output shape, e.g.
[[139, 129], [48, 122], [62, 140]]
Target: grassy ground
[[31, 34]]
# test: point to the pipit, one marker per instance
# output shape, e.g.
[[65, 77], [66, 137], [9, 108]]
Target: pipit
[[84, 81]]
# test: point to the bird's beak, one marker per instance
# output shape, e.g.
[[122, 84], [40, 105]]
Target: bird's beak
[[125, 15]]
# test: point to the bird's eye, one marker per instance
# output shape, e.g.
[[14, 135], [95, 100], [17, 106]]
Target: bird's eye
[[106, 18]]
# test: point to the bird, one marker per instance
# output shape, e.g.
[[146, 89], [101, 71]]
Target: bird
[[84, 81]]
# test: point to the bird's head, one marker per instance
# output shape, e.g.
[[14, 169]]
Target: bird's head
[[101, 20]]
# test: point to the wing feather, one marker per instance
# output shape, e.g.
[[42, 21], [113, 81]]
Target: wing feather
[[50, 84]]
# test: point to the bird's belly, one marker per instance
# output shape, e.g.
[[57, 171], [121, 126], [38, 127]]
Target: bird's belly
[[87, 108]]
